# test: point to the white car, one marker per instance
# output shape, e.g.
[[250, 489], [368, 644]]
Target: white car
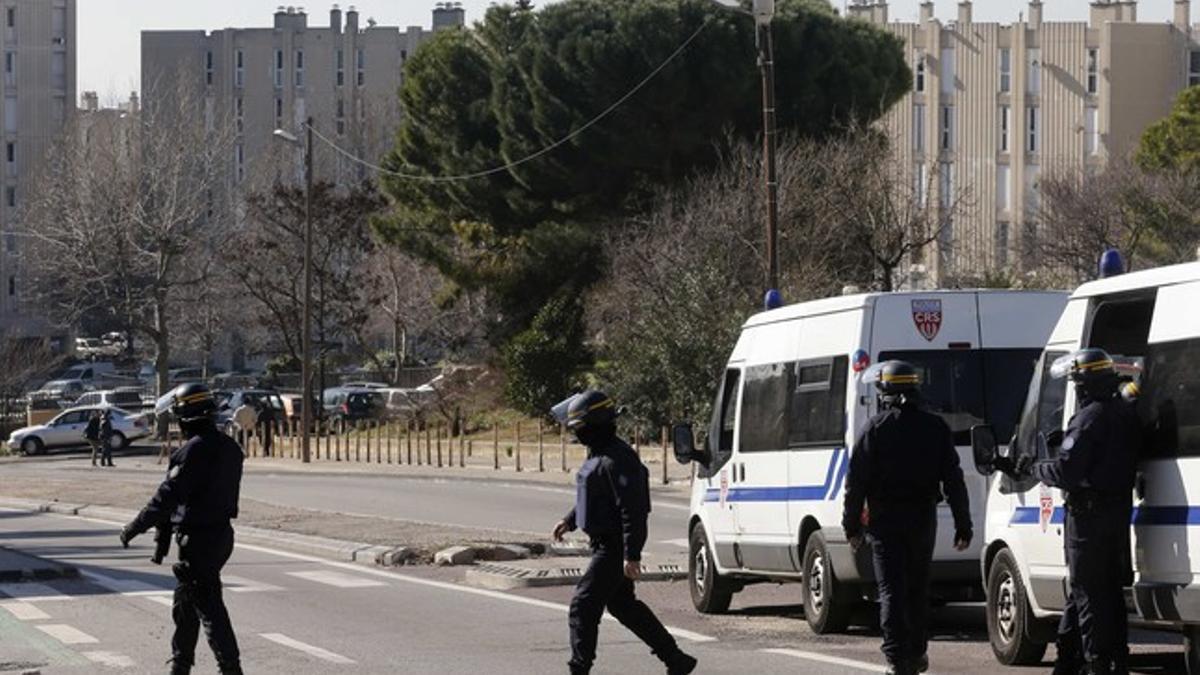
[[66, 430]]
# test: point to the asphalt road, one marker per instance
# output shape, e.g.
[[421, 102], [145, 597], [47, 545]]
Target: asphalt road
[[513, 506]]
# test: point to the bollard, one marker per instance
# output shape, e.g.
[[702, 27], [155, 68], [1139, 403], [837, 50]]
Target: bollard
[[541, 449], [518, 447], [665, 479], [562, 446], [438, 433], [496, 447]]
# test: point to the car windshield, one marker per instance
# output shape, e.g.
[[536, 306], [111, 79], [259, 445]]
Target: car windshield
[[970, 387]]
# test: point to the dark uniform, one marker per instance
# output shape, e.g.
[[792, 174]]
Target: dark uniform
[[198, 499], [106, 437], [1096, 468], [901, 463], [612, 504]]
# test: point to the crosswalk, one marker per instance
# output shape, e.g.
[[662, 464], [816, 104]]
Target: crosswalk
[[40, 606]]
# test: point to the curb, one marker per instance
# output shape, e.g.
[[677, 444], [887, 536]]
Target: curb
[[504, 576]]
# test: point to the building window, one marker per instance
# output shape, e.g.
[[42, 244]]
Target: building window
[[1033, 200], [278, 70], [1091, 130], [12, 285], [10, 17], [299, 68], [1093, 71], [239, 113], [920, 69], [341, 117], [208, 68], [10, 242], [58, 70], [919, 127], [945, 185], [1031, 140], [921, 184], [947, 78], [1003, 187], [1005, 126], [240, 161], [1194, 68], [11, 157], [1033, 83], [1001, 244], [946, 142], [58, 25], [945, 222], [1005, 70], [360, 61], [10, 69], [340, 78], [10, 114], [278, 113], [239, 69]]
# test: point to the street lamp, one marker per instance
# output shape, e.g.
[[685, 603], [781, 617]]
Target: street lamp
[[763, 12], [306, 412]]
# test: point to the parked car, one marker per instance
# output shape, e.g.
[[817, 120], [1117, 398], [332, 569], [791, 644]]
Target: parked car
[[255, 397], [79, 378], [293, 406], [235, 379], [90, 348], [66, 430], [347, 404], [129, 398], [363, 385]]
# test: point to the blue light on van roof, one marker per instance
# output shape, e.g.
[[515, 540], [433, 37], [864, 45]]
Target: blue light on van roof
[[1111, 263], [861, 361], [773, 299]]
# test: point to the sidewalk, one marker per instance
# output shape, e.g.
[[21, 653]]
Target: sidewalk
[[16, 566]]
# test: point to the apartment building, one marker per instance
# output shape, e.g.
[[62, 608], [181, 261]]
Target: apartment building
[[345, 75], [995, 106], [38, 91]]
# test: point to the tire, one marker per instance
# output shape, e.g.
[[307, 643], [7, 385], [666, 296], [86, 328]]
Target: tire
[[118, 441], [827, 605], [711, 592], [1009, 617], [32, 446], [1191, 649]]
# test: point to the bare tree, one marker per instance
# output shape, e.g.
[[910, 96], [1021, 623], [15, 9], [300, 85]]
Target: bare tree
[[133, 210]]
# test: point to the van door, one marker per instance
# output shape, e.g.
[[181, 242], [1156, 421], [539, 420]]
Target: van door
[[1167, 543], [721, 443]]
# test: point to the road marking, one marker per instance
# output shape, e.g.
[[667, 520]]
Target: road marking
[[32, 592], [24, 611], [68, 635], [323, 654], [130, 587], [165, 601], [831, 660], [109, 659], [682, 543], [336, 579], [236, 584], [496, 595]]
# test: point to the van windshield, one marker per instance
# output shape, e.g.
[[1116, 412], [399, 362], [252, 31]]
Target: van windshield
[[969, 387]]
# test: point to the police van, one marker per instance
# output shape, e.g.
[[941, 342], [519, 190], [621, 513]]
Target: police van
[[1150, 322], [767, 501]]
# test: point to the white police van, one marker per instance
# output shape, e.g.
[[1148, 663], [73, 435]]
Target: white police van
[[1149, 321], [767, 501]]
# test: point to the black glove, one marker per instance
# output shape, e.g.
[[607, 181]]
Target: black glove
[[964, 536], [1023, 465], [1005, 464], [127, 535]]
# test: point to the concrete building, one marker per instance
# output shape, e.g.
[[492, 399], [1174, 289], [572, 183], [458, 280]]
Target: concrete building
[[994, 106], [39, 91], [345, 75]]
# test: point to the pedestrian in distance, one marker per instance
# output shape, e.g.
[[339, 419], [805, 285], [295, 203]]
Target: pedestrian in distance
[[91, 434], [106, 437], [266, 426], [197, 500], [1096, 467], [900, 465], [612, 503], [245, 417]]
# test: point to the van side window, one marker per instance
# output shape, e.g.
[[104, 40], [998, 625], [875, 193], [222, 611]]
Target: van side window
[[1043, 411], [1171, 398], [765, 407], [818, 407], [720, 430]]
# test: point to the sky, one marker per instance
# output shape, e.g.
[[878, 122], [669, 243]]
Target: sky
[[109, 30]]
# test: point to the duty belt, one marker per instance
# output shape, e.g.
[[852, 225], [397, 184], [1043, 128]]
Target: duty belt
[[1088, 501]]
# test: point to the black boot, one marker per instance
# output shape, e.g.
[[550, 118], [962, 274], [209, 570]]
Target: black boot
[[922, 664], [1068, 661], [681, 664], [179, 667]]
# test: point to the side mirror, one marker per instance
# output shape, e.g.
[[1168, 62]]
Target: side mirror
[[984, 448], [685, 445]]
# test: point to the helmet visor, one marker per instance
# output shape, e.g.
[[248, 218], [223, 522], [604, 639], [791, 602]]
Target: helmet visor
[[163, 404], [561, 409], [1065, 366], [873, 374]]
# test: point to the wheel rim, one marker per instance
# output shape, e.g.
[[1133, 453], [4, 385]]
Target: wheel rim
[[29, 446], [816, 582], [700, 567], [1006, 609]]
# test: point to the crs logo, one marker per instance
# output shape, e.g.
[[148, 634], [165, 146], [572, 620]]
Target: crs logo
[[927, 315]]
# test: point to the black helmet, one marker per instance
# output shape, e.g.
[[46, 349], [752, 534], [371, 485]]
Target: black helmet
[[192, 403], [898, 377], [1092, 370], [588, 410]]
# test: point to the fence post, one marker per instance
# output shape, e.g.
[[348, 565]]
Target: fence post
[[665, 480], [562, 446], [471, 448], [541, 448], [339, 438], [408, 439], [462, 446], [438, 433], [295, 439], [428, 446], [370, 438], [518, 444], [496, 446], [391, 426]]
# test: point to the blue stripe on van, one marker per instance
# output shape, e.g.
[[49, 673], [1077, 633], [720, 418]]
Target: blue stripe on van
[[841, 476], [1146, 515], [789, 493]]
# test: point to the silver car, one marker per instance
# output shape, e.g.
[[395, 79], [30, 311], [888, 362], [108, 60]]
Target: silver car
[[66, 430]]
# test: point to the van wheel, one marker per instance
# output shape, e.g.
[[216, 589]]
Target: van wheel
[[1009, 618], [117, 441], [1191, 649], [32, 446], [826, 605], [711, 592]]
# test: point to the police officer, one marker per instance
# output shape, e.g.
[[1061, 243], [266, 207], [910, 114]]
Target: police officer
[[901, 463], [198, 499], [1096, 468], [611, 506]]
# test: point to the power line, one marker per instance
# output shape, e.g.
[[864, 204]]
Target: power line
[[524, 160]]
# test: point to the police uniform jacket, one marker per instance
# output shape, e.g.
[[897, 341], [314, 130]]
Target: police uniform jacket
[[903, 461], [1098, 458], [202, 486], [612, 498]]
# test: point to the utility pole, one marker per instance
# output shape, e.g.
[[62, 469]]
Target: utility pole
[[766, 60], [306, 410]]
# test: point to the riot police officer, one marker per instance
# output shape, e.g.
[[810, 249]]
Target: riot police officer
[[198, 499], [612, 504], [1096, 468], [900, 465]]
